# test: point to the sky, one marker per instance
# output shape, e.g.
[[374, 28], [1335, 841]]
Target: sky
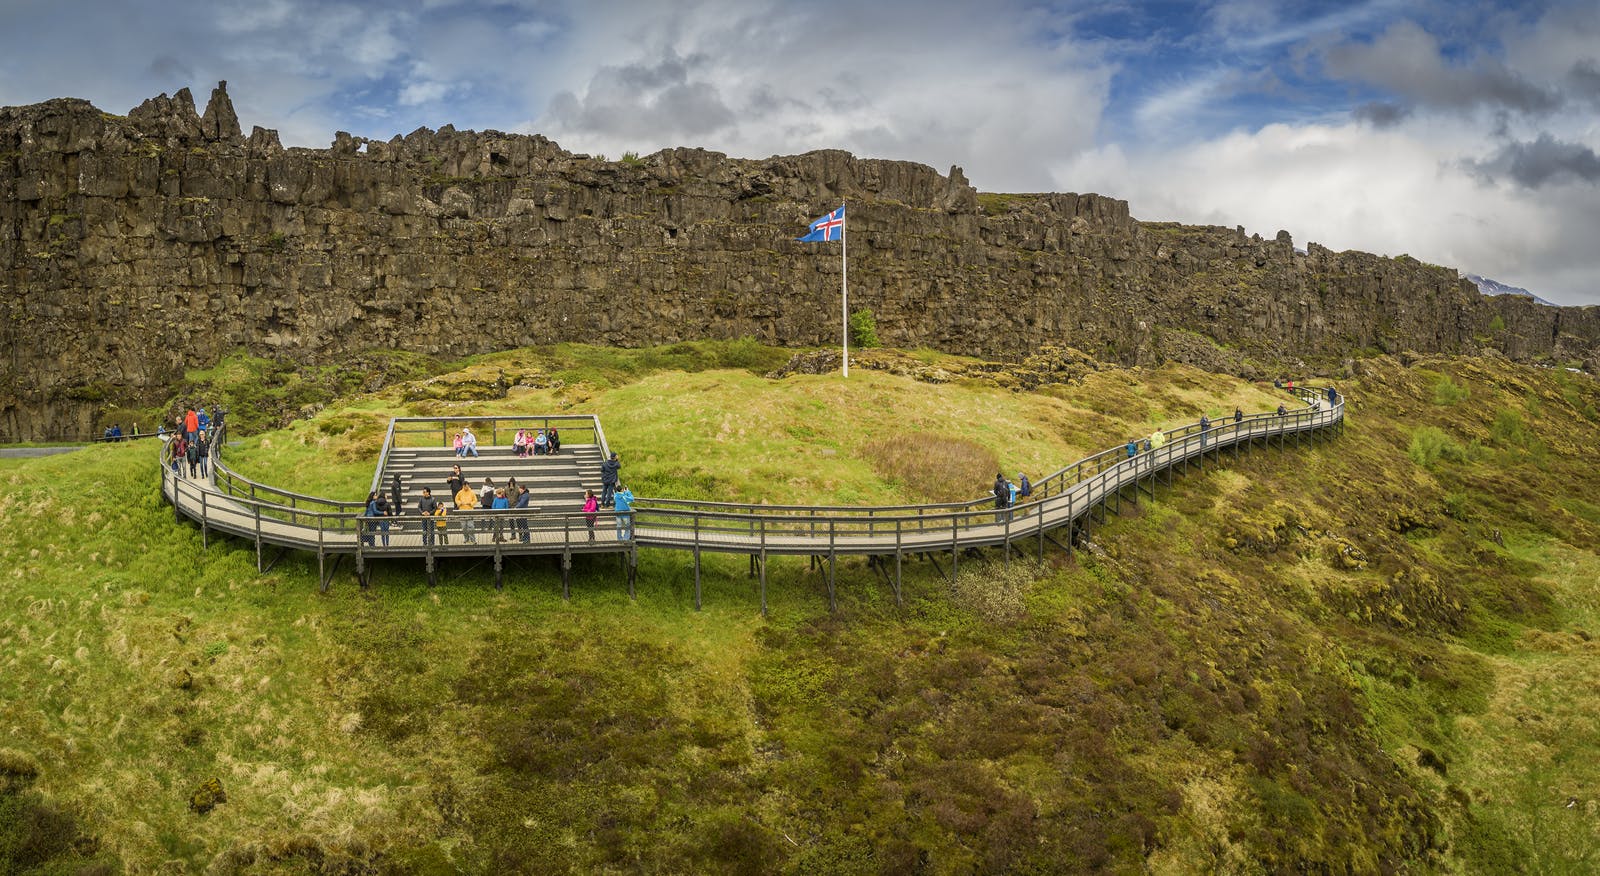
[[1461, 133]]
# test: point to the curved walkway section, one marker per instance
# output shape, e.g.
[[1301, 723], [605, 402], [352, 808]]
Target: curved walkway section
[[270, 517]]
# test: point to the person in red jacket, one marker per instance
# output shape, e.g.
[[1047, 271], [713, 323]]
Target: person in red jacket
[[191, 425]]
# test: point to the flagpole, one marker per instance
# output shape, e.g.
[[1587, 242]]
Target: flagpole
[[844, 284]]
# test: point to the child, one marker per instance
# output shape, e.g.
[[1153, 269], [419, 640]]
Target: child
[[591, 507]]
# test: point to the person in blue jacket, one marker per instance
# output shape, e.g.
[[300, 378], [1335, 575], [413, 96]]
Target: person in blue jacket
[[622, 500]]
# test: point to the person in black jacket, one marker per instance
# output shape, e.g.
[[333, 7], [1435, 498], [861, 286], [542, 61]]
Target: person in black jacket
[[426, 507], [609, 471], [521, 523], [1002, 496]]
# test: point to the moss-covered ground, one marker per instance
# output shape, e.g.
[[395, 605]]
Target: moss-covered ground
[[1365, 655]]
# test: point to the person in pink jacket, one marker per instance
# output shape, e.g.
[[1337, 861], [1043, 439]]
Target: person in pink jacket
[[591, 509]]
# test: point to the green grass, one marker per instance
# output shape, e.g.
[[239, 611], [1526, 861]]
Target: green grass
[[1303, 659]]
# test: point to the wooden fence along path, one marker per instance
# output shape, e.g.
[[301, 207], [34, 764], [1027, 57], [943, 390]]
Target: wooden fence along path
[[1068, 499]]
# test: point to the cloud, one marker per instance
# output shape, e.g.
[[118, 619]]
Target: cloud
[[938, 83], [1380, 114], [1536, 163], [1407, 61], [1348, 186]]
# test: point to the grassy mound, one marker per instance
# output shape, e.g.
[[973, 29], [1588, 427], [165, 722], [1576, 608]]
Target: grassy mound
[[1334, 658]]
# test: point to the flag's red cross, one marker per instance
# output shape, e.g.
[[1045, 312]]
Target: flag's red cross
[[827, 225]]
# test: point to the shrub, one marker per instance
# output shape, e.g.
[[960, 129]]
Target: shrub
[[1447, 392], [1498, 324], [1430, 444], [864, 329], [938, 468]]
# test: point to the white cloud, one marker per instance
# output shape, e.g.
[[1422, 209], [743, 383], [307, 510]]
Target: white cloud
[[1389, 192]]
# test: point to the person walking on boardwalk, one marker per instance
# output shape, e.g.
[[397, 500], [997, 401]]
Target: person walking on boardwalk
[[1282, 411], [384, 512], [1158, 439], [192, 454], [1024, 488], [425, 507], [623, 499], [523, 497], [368, 521], [1238, 416], [203, 442], [591, 507], [1205, 424], [1133, 447], [191, 424], [609, 472], [466, 500], [1002, 493]]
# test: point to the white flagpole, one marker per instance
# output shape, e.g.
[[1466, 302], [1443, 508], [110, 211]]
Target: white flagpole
[[844, 284]]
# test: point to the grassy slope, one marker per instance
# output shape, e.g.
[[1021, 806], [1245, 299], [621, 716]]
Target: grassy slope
[[1313, 656]]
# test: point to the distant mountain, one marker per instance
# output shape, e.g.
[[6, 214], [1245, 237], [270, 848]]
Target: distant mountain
[[1495, 287]]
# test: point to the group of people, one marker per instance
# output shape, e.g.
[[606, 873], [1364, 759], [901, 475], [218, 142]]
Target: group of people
[[1008, 494], [536, 442], [381, 508], [190, 440]]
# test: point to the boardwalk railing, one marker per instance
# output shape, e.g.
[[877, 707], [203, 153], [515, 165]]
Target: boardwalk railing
[[1065, 498]]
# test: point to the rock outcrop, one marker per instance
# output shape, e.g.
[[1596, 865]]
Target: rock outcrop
[[133, 248]]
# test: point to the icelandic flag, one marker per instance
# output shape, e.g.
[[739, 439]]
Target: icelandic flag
[[829, 227]]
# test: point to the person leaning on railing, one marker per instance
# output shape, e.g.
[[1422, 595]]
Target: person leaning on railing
[[466, 500]]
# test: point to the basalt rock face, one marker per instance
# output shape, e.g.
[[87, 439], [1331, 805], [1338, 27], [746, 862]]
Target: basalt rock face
[[132, 248]]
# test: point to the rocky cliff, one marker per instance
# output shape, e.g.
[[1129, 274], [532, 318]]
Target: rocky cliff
[[134, 247]]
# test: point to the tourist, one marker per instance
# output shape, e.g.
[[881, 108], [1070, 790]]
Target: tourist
[[216, 421], [203, 447], [609, 470], [500, 503], [1002, 494], [591, 505], [456, 480], [460, 445], [1011, 494], [192, 454], [203, 420], [623, 497], [553, 440], [180, 452], [541, 444], [519, 444], [486, 493], [469, 442], [384, 512], [367, 526], [1133, 447], [1205, 424], [1025, 489], [1238, 416], [191, 424], [426, 507], [1158, 439], [1282, 411], [523, 497], [443, 525], [466, 500]]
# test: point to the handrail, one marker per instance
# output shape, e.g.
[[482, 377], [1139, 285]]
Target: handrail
[[1059, 499]]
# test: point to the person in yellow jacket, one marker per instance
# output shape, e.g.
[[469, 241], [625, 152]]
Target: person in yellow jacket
[[466, 500], [1157, 438]]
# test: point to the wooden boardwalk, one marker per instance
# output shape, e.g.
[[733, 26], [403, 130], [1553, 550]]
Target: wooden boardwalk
[[1068, 499]]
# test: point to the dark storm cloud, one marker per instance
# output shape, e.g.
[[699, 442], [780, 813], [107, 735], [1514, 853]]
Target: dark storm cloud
[[1584, 81], [1536, 163], [1380, 114], [1408, 62]]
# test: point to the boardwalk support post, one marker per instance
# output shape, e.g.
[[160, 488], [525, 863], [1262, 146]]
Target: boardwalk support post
[[566, 575], [633, 567], [897, 578], [697, 571], [761, 564], [833, 602]]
